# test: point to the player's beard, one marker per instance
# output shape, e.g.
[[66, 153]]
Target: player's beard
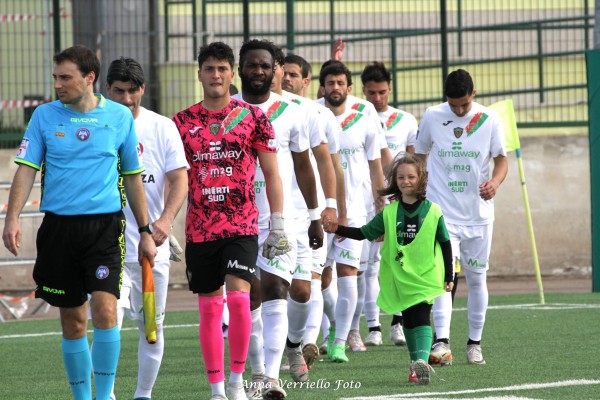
[[336, 102], [252, 90]]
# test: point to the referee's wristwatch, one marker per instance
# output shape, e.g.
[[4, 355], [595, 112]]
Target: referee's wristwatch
[[145, 228]]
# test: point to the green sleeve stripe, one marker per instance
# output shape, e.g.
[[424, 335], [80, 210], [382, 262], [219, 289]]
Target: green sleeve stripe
[[134, 172], [34, 166]]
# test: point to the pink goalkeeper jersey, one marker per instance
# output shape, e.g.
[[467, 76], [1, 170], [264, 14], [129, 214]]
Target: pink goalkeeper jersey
[[222, 147]]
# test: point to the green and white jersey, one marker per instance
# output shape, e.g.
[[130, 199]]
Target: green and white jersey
[[359, 144], [460, 150], [291, 135], [400, 129], [317, 136]]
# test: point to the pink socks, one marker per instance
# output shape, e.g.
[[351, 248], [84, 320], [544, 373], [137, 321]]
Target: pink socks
[[240, 325], [211, 336]]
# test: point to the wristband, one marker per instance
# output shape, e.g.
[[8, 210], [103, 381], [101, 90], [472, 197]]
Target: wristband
[[145, 228], [313, 213], [276, 222], [331, 203]]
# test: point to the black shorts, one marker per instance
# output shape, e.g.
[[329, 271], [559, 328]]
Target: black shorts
[[207, 263], [77, 255]]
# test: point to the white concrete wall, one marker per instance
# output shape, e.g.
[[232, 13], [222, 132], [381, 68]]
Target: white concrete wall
[[558, 185]]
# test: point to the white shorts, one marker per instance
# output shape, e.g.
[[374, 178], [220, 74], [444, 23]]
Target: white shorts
[[471, 244], [304, 254], [319, 257], [347, 251], [371, 253], [132, 300], [282, 266]]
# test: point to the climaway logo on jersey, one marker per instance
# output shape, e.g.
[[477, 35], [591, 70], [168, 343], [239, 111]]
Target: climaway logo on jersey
[[216, 154]]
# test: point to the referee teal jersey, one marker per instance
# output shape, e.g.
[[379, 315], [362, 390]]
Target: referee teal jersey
[[81, 155]]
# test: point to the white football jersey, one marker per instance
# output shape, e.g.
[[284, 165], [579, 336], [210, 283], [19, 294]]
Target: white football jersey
[[162, 151], [291, 134], [460, 150]]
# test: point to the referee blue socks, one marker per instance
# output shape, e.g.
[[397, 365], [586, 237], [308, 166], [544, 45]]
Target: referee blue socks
[[105, 357], [78, 364]]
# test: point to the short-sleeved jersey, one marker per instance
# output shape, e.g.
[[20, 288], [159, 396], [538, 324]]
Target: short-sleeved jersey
[[221, 148], [359, 144], [368, 109], [162, 152], [460, 150], [317, 136], [81, 155], [400, 129], [332, 131], [291, 135]]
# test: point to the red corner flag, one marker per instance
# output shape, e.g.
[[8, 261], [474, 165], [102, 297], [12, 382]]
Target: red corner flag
[[149, 301]]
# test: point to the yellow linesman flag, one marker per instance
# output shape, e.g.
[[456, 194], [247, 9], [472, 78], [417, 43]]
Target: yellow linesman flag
[[507, 113], [149, 299]]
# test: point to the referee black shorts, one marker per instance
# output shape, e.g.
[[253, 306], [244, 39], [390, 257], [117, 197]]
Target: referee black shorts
[[77, 255]]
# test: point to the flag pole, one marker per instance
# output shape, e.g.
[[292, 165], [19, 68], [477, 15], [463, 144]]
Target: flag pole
[[507, 113], [536, 264]]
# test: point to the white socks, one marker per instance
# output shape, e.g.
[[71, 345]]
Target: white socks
[[360, 301], [442, 315], [274, 315], [297, 314], [149, 360], [256, 356], [371, 293], [330, 296], [345, 306], [477, 302], [313, 322]]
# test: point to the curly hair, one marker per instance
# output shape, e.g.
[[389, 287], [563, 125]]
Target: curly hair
[[393, 191], [256, 44]]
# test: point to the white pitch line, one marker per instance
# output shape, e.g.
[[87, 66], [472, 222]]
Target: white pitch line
[[532, 386], [533, 306], [29, 335], [547, 306], [479, 398]]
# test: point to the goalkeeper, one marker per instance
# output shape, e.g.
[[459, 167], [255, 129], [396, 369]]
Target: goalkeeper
[[162, 153], [223, 139]]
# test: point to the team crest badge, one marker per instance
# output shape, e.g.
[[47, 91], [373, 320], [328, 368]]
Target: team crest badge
[[102, 272], [83, 134], [214, 128], [458, 132]]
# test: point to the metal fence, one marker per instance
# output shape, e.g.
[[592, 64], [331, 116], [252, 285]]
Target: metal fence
[[529, 50]]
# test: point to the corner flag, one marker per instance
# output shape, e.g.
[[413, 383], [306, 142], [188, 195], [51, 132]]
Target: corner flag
[[507, 114], [149, 300]]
